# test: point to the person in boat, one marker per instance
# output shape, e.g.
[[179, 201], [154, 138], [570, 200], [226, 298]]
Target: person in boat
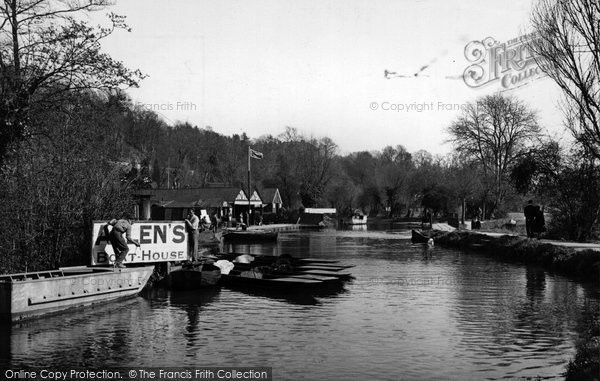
[[530, 212], [192, 224], [120, 236], [426, 219]]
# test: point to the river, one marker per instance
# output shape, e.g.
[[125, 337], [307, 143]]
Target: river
[[411, 313]]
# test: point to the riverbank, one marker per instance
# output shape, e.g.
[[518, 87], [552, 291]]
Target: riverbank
[[582, 263]]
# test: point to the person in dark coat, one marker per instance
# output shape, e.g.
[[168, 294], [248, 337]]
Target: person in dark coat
[[530, 212], [214, 224], [539, 223]]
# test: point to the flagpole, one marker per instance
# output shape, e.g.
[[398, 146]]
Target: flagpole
[[249, 194]]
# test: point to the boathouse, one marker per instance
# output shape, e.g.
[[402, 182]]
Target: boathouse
[[172, 204]]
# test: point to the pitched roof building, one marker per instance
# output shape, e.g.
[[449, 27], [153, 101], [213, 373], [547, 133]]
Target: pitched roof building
[[271, 199], [172, 204]]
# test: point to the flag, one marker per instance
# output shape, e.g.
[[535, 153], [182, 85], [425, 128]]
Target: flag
[[255, 154]]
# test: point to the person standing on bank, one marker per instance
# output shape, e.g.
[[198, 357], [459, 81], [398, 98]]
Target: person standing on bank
[[120, 236], [192, 223], [214, 222], [530, 212]]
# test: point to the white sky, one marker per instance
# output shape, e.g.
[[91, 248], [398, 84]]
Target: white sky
[[258, 66]]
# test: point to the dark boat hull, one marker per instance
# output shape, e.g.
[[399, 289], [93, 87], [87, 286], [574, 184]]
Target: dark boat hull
[[269, 259], [194, 277], [297, 266], [299, 283], [418, 237], [250, 236]]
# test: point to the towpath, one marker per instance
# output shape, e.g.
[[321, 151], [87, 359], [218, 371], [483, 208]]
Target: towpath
[[573, 245]]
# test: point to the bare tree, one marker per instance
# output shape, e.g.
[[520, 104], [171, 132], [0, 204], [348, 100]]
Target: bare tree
[[315, 158], [462, 181], [393, 173], [567, 47], [494, 131], [45, 51]]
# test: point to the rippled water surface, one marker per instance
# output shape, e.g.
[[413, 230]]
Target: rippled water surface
[[411, 313]]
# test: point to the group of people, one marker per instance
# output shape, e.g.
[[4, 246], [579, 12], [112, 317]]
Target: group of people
[[120, 234], [535, 224], [246, 219]]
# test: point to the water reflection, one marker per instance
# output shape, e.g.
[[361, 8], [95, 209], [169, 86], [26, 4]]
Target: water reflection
[[536, 282], [192, 302], [427, 312], [292, 298], [5, 353], [512, 319], [267, 248], [355, 227], [83, 338]]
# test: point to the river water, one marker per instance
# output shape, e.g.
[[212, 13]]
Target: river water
[[411, 313]]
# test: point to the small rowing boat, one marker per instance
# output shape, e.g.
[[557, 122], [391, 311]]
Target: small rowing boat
[[268, 259], [252, 278], [249, 236], [418, 237], [284, 273], [358, 218], [193, 276]]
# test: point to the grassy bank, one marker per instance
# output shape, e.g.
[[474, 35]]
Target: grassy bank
[[586, 363], [583, 265]]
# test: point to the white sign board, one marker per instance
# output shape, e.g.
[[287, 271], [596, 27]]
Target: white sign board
[[159, 242]]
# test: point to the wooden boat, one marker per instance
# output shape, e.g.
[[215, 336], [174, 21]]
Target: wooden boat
[[301, 269], [268, 259], [323, 267], [193, 276], [290, 266], [285, 273], [358, 218], [249, 235], [28, 295], [250, 278], [342, 275], [418, 237]]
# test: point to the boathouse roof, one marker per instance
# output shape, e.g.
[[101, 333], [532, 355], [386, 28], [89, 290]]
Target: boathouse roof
[[270, 196], [211, 197]]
